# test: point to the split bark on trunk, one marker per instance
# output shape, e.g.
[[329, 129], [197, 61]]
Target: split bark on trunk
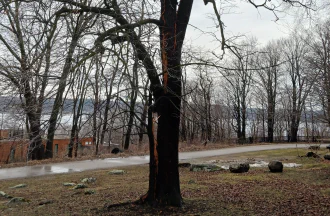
[[164, 184]]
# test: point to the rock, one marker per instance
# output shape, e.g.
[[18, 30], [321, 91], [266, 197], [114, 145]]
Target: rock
[[328, 147], [19, 186], [45, 202], [312, 154], [69, 184], [116, 150], [88, 180], [89, 192], [191, 181], [117, 172], [204, 167], [275, 166], [3, 194], [327, 157], [184, 165], [79, 186], [239, 168], [17, 200]]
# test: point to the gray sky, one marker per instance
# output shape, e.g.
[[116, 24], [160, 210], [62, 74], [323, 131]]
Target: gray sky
[[244, 19]]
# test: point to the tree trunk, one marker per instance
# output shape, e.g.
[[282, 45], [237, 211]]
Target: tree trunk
[[270, 123], [77, 112], [142, 123], [108, 104], [59, 99], [36, 149], [96, 109], [130, 120], [134, 93], [164, 184], [294, 133], [184, 110]]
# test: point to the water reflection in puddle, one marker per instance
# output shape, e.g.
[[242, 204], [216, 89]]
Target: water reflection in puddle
[[56, 169]]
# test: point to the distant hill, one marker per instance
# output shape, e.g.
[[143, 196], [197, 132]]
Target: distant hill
[[13, 104]]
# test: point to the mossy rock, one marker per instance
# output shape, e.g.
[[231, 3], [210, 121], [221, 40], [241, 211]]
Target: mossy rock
[[239, 168], [3, 194], [89, 192], [69, 184], [117, 172], [205, 167], [191, 181], [88, 180], [80, 186], [17, 200], [19, 186]]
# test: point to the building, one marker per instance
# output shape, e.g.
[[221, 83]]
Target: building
[[12, 150], [11, 134]]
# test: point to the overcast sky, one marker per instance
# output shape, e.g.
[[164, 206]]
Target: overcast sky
[[244, 19]]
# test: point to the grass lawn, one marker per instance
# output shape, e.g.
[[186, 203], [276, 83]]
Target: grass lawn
[[296, 191]]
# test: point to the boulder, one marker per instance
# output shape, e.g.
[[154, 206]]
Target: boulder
[[327, 157], [204, 167], [275, 166], [239, 168], [116, 150], [312, 154], [117, 172], [88, 180]]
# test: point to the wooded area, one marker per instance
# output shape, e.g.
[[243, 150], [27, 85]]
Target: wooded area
[[126, 71]]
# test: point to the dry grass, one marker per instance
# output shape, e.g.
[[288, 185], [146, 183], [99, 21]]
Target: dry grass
[[298, 191]]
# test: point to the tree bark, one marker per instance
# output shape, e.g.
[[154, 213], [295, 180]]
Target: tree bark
[[164, 184]]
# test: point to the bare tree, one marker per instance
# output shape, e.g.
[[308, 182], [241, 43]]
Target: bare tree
[[319, 60], [239, 80], [76, 25], [270, 60], [295, 52], [28, 40]]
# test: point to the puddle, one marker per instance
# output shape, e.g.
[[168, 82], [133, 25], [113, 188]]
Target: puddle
[[56, 169]]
